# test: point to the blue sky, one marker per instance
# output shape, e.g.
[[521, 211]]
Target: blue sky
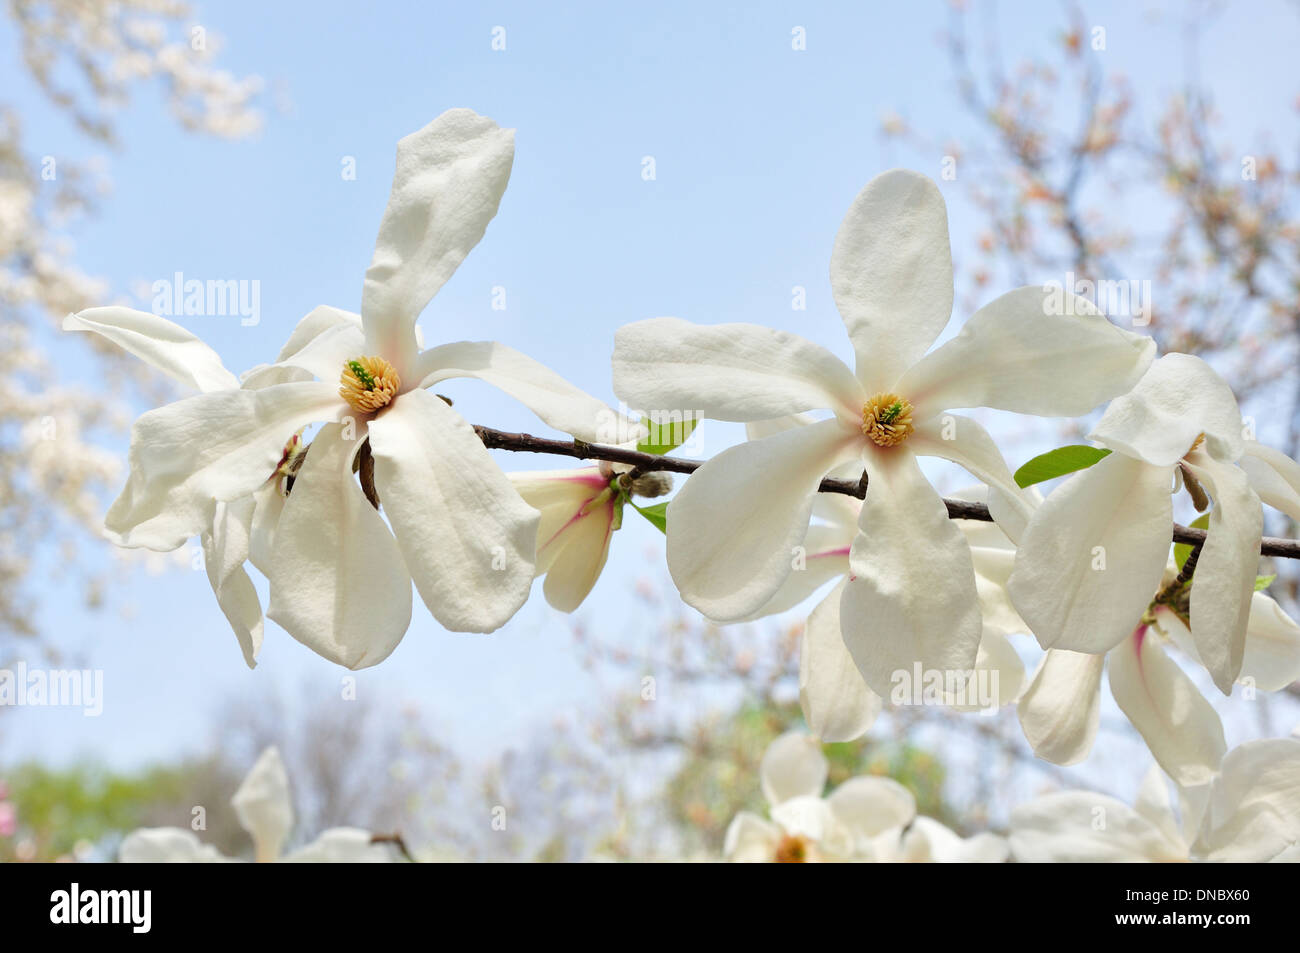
[[759, 150]]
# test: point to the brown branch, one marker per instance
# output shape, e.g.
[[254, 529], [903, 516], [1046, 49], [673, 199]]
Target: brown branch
[[649, 463]]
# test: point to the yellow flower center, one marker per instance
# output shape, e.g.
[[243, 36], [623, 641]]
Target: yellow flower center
[[887, 419], [368, 383], [791, 850]]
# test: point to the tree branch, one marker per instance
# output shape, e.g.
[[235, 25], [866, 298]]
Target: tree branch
[[649, 463]]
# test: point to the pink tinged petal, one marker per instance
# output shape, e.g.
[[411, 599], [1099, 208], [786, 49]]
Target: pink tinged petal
[[225, 548], [166, 845], [1093, 555], [582, 551], [544, 392], [448, 184], [188, 455], [827, 558], [468, 538], [891, 274], [1253, 813], [1079, 827], [739, 372], [734, 527], [1014, 354], [343, 845], [966, 443], [1181, 729], [263, 806], [560, 496], [913, 599], [1062, 707], [837, 704], [158, 342], [1224, 580], [1176, 401], [338, 582], [751, 840], [1274, 476], [793, 766]]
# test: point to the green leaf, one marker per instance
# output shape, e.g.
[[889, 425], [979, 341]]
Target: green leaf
[[1263, 582], [1058, 462], [666, 436], [1183, 550], [657, 514]]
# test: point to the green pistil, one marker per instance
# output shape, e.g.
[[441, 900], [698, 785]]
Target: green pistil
[[890, 415], [363, 375]]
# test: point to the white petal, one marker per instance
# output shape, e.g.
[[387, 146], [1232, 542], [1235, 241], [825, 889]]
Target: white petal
[[448, 184], [544, 392], [827, 549], [166, 845], [1153, 803], [1061, 710], [966, 443], [869, 806], [733, 528], [837, 704], [751, 839], [224, 550], [263, 806], [1093, 555], [1224, 580], [342, 845], [1272, 659], [581, 553], [468, 538], [891, 274], [219, 446], [1254, 809], [758, 429], [913, 599], [1274, 476], [158, 342], [1180, 727], [793, 766], [268, 505], [1176, 401], [319, 320], [326, 354], [1080, 827], [1014, 355], [929, 841], [728, 371], [811, 817], [339, 584], [999, 673]]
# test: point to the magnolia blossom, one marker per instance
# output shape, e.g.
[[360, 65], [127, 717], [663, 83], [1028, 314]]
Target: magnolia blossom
[[864, 819], [226, 542], [340, 578], [1248, 813], [265, 810], [581, 509], [1094, 553], [734, 526]]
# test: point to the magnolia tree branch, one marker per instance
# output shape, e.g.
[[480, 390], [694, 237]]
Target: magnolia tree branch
[[649, 463]]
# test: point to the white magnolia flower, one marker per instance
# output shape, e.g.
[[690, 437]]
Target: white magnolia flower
[[837, 703], [581, 508], [1250, 812], [181, 355], [265, 810], [734, 526], [1095, 551], [865, 819], [340, 579]]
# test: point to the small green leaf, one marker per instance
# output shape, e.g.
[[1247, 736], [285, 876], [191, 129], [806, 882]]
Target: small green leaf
[[666, 436], [657, 514], [1183, 550], [1058, 462], [1263, 582]]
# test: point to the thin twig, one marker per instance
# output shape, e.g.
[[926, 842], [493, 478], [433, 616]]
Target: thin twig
[[649, 463]]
